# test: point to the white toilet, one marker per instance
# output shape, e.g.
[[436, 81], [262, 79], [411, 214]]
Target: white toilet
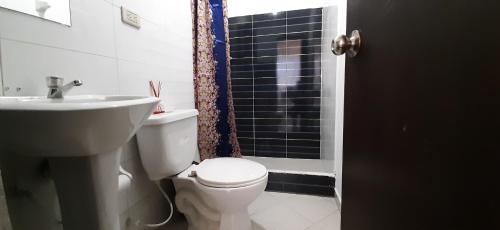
[[214, 194]]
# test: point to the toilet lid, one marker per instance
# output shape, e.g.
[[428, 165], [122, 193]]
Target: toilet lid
[[228, 172]]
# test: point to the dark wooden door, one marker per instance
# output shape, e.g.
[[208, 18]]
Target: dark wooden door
[[422, 116]]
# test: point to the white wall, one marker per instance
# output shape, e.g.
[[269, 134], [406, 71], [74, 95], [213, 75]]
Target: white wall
[[328, 83], [58, 11], [110, 58], [332, 92], [339, 101]]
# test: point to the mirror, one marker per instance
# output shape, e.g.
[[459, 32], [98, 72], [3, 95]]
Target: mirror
[[53, 10]]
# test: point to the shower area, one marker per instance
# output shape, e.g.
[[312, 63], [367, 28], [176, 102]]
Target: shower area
[[284, 88]]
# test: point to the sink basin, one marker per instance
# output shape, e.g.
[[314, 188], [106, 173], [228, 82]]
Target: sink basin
[[80, 136], [73, 126], [72, 102]]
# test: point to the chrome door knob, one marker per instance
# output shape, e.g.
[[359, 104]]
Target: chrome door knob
[[350, 45]]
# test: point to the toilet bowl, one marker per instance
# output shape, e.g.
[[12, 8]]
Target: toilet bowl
[[213, 195], [216, 193]]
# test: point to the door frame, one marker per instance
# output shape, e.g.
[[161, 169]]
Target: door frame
[[339, 103]]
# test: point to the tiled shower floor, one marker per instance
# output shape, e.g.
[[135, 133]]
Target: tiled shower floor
[[299, 166], [284, 211]]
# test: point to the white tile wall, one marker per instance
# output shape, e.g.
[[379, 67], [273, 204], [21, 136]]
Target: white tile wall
[[328, 73], [110, 58], [91, 30], [26, 65], [334, 24], [160, 50], [339, 111]]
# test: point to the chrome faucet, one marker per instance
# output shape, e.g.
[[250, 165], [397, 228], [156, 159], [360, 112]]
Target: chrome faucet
[[56, 87]]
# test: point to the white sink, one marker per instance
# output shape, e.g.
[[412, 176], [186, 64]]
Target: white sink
[[73, 126], [80, 137], [72, 102]]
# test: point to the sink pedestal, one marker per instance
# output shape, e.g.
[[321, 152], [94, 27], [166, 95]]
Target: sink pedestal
[[87, 188], [79, 136]]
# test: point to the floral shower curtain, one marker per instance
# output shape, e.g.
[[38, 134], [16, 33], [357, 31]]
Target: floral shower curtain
[[214, 100]]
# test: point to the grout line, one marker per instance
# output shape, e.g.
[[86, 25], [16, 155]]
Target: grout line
[[276, 19], [235, 51], [315, 76], [253, 92], [267, 98], [275, 119], [310, 126], [286, 33], [267, 27], [274, 42], [286, 88], [272, 56], [277, 63], [60, 48], [271, 91], [311, 39], [310, 84], [115, 42]]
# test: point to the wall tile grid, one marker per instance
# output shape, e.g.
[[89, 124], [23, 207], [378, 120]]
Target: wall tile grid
[[276, 77], [110, 58]]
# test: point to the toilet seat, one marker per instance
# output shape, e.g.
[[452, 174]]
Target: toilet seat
[[227, 172]]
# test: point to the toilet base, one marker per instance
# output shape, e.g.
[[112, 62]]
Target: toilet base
[[198, 214], [201, 217], [215, 208]]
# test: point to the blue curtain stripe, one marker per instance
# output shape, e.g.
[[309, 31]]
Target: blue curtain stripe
[[224, 148]]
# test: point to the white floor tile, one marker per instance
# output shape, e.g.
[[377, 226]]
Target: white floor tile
[[263, 202], [276, 211], [280, 217], [256, 226], [313, 208], [331, 222], [332, 201], [281, 196]]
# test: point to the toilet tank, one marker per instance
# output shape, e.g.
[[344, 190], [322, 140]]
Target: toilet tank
[[167, 143]]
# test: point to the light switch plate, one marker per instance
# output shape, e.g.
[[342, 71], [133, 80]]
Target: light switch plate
[[131, 18]]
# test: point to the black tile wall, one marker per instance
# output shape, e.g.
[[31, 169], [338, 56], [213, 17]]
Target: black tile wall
[[276, 78]]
